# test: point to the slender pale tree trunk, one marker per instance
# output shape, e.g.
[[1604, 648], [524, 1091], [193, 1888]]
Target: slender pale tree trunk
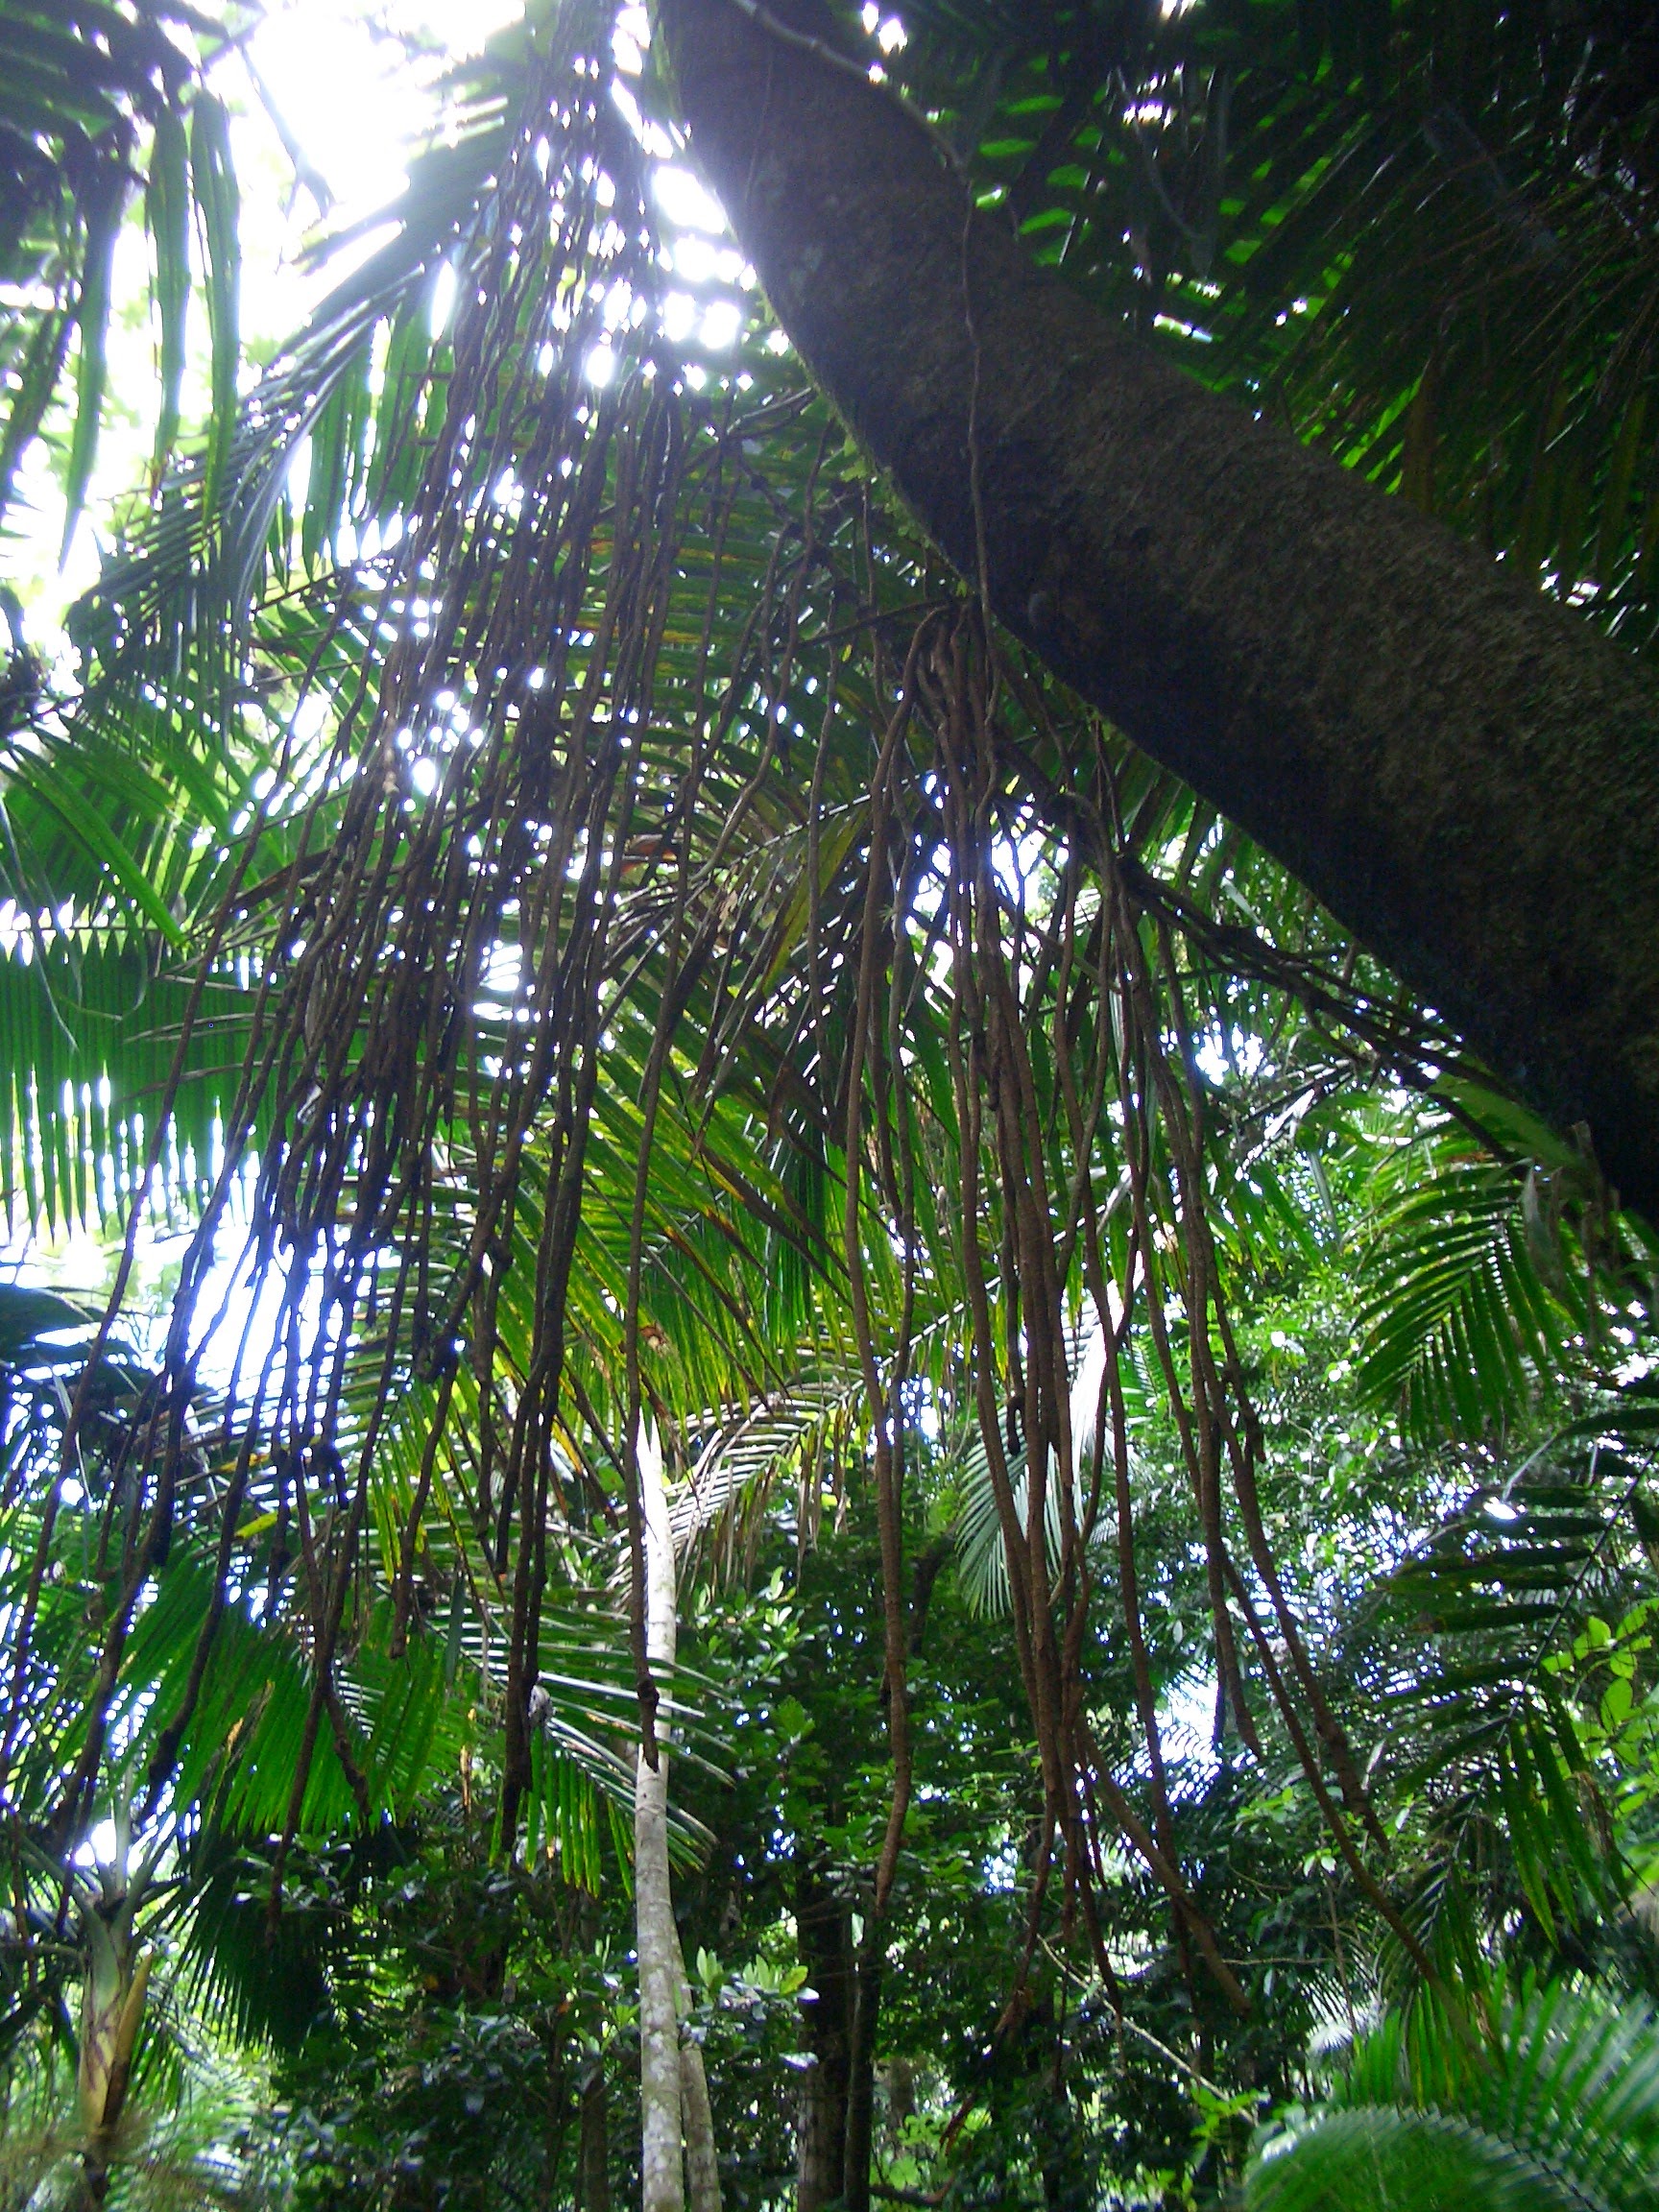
[[702, 2172], [661, 2173], [677, 2133], [1464, 771]]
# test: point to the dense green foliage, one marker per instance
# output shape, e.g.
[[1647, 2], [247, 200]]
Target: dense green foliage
[[540, 904]]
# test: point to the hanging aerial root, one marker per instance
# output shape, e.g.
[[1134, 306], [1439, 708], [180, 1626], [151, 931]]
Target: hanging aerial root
[[1033, 1150]]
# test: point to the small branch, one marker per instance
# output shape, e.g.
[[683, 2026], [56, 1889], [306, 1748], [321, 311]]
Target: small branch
[[1145, 2034], [849, 65]]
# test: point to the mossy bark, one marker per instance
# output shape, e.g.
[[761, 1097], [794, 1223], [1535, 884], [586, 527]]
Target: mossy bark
[[1464, 771]]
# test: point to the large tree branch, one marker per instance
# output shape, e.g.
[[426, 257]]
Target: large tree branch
[[1464, 771]]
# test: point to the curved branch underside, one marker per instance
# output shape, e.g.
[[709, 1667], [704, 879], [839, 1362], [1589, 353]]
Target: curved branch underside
[[1464, 771]]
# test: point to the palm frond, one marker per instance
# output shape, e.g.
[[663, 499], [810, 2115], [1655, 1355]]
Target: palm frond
[[1366, 2159], [1471, 1299], [1485, 1721], [1556, 2104]]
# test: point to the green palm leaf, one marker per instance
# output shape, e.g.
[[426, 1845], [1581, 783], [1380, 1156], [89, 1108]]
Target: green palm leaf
[[1382, 2160], [1558, 2107]]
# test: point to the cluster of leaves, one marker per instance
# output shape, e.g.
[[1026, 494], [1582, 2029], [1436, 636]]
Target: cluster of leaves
[[103, 98]]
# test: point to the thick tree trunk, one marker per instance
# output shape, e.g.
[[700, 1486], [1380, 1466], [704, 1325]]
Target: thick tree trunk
[[823, 1934], [1462, 771], [593, 2148], [859, 2143]]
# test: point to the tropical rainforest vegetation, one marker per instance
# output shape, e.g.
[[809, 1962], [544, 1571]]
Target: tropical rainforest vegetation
[[827, 1455]]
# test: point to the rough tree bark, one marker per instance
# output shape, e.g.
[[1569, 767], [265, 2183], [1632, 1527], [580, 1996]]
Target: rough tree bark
[[673, 2091], [856, 2156], [835, 2121], [821, 1932], [1464, 771], [594, 2147]]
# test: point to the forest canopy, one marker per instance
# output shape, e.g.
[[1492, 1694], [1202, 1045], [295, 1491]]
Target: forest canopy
[[826, 994]]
